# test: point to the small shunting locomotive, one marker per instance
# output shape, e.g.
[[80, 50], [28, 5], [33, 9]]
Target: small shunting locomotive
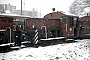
[[57, 25]]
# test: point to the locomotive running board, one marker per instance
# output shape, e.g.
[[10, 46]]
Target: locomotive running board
[[17, 47], [69, 39], [57, 38], [8, 44]]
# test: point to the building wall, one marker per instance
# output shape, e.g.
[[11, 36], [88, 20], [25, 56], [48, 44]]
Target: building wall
[[9, 7]]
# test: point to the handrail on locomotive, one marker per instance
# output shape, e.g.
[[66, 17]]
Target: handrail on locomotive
[[10, 33], [45, 30]]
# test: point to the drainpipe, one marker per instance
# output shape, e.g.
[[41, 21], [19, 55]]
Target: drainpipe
[[45, 30]]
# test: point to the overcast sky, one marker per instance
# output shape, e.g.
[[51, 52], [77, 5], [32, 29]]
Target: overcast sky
[[43, 6]]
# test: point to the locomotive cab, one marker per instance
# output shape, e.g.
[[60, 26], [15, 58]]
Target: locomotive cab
[[8, 28], [6, 25], [69, 25]]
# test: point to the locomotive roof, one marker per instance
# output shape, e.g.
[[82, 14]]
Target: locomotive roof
[[58, 13], [68, 14], [63, 13], [14, 16]]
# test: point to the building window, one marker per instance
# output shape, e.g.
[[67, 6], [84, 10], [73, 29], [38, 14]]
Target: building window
[[10, 21], [63, 20]]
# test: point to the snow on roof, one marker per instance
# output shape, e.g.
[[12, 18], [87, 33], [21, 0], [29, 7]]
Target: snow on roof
[[14, 15], [70, 14]]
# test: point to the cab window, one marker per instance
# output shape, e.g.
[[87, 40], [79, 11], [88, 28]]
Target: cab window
[[63, 20]]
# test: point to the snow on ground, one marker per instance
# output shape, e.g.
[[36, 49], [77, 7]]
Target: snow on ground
[[67, 51]]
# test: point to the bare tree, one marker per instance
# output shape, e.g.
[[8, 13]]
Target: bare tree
[[78, 6], [34, 13]]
